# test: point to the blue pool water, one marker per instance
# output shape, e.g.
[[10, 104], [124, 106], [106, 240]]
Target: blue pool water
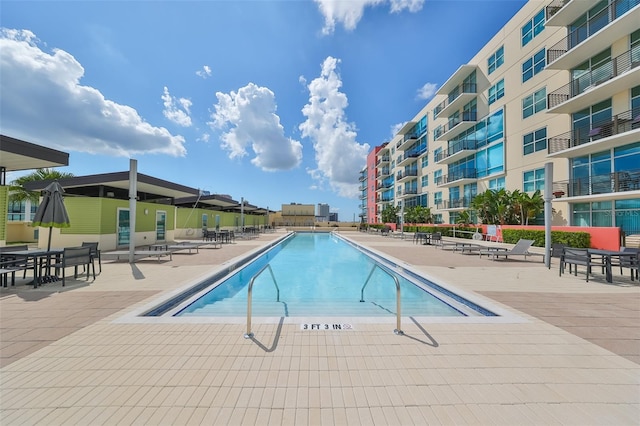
[[319, 274]]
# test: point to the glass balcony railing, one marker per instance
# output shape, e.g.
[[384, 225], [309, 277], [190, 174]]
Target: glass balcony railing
[[620, 123]]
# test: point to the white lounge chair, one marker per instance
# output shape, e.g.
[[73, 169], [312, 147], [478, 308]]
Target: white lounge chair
[[520, 249]]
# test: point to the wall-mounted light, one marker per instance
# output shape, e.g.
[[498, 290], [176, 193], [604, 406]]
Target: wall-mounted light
[[146, 211], [110, 194]]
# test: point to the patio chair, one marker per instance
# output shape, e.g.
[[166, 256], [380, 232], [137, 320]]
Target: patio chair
[[95, 253], [575, 256], [632, 263], [75, 256], [520, 249]]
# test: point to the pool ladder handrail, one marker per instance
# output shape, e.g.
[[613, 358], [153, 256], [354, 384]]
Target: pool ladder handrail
[[249, 334], [398, 329]]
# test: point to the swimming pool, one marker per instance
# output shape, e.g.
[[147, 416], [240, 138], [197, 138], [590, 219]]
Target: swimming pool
[[320, 275]]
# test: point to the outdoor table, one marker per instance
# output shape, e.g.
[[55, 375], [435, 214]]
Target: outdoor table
[[607, 257], [423, 238], [38, 256]]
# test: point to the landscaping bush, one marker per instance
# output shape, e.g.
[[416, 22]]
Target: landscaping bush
[[570, 239]]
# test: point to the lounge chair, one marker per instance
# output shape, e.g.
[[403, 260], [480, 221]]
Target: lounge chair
[[520, 249]]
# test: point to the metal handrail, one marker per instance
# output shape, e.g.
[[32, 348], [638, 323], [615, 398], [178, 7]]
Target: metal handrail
[[249, 334], [398, 329]]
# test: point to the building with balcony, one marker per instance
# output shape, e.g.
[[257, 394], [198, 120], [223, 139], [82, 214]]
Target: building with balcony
[[560, 84]]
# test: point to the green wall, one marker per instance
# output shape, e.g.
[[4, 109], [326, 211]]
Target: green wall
[[4, 211]]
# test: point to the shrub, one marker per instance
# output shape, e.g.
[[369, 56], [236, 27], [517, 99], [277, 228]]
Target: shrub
[[570, 239]]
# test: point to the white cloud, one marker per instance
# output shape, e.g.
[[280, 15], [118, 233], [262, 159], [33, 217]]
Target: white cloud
[[427, 91], [249, 118], [43, 102], [176, 110], [348, 13], [205, 72], [412, 6], [396, 128], [339, 156]]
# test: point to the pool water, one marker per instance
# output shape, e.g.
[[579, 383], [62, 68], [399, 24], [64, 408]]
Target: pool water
[[318, 274]]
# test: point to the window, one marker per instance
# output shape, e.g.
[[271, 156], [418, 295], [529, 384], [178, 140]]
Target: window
[[533, 27], [533, 180], [496, 91], [424, 161], [437, 177], [533, 65], [497, 183], [496, 60], [424, 181], [437, 153], [437, 198], [534, 103], [535, 141]]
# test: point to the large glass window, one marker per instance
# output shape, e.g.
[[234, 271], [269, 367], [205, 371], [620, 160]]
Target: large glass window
[[535, 141], [593, 122], [532, 28], [496, 60], [534, 103], [496, 91], [533, 65]]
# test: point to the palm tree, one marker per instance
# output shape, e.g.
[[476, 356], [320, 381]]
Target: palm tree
[[464, 217], [389, 214], [16, 188]]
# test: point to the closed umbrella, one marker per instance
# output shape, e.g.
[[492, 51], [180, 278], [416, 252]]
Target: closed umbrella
[[51, 212]]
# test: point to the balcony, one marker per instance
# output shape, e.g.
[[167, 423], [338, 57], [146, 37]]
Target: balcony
[[597, 84], [457, 151], [408, 192], [457, 125], [465, 93], [384, 198], [622, 129], [457, 177], [561, 13], [383, 160], [410, 157], [362, 188], [456, 204], [407, 141], [385, 171], [618, 185], [363, 196], [617, 20], [407, 174]]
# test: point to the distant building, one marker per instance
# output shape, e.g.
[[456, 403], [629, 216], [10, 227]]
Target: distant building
[[295, 214], [333, 217], [322, 213]]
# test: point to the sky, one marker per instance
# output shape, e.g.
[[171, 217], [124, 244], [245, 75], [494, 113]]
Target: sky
[[274, 102]]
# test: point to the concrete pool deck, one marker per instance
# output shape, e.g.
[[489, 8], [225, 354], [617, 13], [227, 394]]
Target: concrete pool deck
[[573, 359]]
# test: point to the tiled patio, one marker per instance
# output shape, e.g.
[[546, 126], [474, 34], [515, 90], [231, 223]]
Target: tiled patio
[[571, 358]]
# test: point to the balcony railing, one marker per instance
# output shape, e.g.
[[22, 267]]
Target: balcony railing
[[463, 145], [383, 172], [593, 25], [628, 180], [554, 7], [383, 159], [410, 191], [464, 117], [457, 203], [457, 175], [406, 173], [621, 123], [470, 88], [595, 76]]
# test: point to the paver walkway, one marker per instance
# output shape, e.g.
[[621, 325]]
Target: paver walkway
[[550, 367]]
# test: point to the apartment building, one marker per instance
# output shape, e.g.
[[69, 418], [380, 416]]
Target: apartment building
[[560, 84]]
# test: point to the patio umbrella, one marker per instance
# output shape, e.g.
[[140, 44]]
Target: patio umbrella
[[51, 212]]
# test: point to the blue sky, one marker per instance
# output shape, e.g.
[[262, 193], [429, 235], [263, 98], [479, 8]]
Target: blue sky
[[272, 101]]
